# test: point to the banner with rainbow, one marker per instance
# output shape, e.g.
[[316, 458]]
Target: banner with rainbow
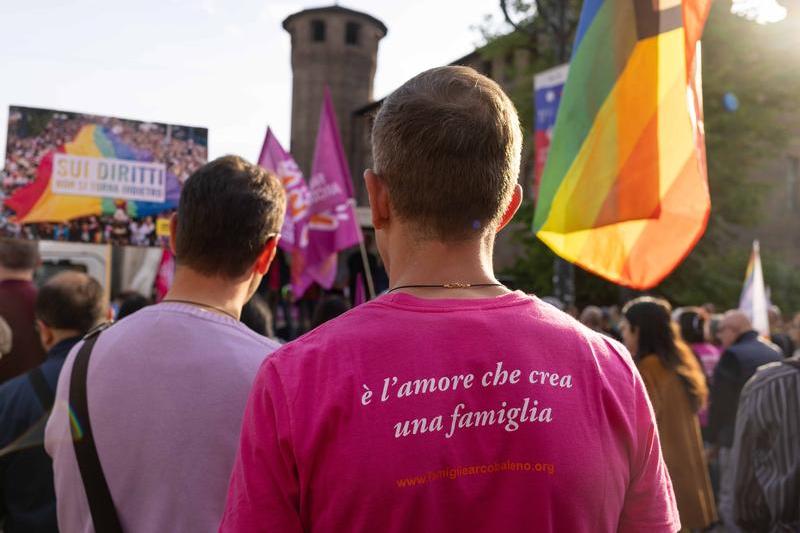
[[71, 176]]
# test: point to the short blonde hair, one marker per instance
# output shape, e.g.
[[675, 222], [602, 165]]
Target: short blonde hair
[[447, 145]]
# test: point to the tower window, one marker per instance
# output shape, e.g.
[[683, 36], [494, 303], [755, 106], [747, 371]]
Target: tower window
[[351, 33], [318, 31]]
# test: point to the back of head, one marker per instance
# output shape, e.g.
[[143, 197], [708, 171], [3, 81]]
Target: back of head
[[328, 308], [257, 316], [650, 317], [692, 324], [71, 301], [19, 255], [736, 321], [130, 303], [447, 145], [228, 210], [592, 317]]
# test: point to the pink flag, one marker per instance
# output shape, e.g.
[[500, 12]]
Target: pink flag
[[332, 224], [278, 161], [165, 274], [294, 233], [330, 177]]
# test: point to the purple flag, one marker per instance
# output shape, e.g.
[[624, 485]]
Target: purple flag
[[332, 224], [330, 178], [275, 159], [294, 233]]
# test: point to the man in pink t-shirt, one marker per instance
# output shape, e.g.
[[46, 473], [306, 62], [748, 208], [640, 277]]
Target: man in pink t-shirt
[[451, 403]]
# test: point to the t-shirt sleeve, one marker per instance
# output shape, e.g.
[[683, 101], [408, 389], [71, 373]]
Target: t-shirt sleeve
[[649, 501], [264, 491]]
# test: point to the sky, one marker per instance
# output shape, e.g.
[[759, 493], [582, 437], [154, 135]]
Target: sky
[[224, 65]]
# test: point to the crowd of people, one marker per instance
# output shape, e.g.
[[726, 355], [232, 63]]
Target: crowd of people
[[117, 229], [448, 403], [34, 133]]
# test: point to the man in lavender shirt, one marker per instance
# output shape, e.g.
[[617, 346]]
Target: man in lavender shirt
[[167, 385]]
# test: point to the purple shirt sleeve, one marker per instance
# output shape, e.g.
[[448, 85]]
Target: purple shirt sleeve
[[264, 490]]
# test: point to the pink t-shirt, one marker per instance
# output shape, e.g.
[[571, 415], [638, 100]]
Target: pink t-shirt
[[409, 414]]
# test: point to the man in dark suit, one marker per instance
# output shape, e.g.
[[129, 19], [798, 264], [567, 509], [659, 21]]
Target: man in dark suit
[[67, 306], [744, 352]]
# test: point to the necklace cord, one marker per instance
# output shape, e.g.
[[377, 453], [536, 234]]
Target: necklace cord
[[199, 304], [453, 285]]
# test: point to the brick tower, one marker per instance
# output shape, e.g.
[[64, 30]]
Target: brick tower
[[331, 46]]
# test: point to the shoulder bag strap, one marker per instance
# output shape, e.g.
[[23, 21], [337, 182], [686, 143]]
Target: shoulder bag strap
[[101, 506]]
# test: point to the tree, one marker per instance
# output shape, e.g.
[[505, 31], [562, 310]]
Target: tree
[[746, 59]]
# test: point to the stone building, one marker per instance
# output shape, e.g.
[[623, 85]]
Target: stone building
[[334, 47], [338, 47]]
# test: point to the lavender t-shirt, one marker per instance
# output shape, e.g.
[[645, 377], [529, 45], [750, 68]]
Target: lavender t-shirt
[[406, 414], [167, 387]]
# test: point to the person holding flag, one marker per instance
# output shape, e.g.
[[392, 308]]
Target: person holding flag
[[450, 403]]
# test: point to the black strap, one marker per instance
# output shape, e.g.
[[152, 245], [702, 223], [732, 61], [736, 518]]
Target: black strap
[[104, 514], [42, 389]]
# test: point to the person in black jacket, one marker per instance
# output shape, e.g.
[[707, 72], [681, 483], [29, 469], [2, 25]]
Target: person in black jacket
[[744, 352], [67, 306]]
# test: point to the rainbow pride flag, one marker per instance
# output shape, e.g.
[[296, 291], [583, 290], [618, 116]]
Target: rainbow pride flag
[[624, 192], [37, 203]]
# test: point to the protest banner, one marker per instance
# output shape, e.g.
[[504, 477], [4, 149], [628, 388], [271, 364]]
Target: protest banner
[[85, 178], [547, 88]]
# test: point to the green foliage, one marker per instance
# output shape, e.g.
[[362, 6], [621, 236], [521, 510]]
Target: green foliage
[[751, 61]]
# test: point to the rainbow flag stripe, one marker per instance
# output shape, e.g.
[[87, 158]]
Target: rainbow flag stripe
[[37, 203], [624, 192]]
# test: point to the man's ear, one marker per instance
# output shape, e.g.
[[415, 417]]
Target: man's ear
[[45, 333], [173, 228], [511, 210], [378, 199], [267, 255]]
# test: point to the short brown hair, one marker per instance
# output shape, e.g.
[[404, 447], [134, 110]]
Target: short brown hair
[[16, 254], [447, 145], [71, 300], [228, 210]]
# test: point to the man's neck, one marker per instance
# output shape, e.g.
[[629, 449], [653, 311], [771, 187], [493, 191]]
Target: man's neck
[[225, 296], [416, 262], [15, 275], [60, 335]]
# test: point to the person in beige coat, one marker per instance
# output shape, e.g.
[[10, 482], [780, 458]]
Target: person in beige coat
[[677, 388]]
